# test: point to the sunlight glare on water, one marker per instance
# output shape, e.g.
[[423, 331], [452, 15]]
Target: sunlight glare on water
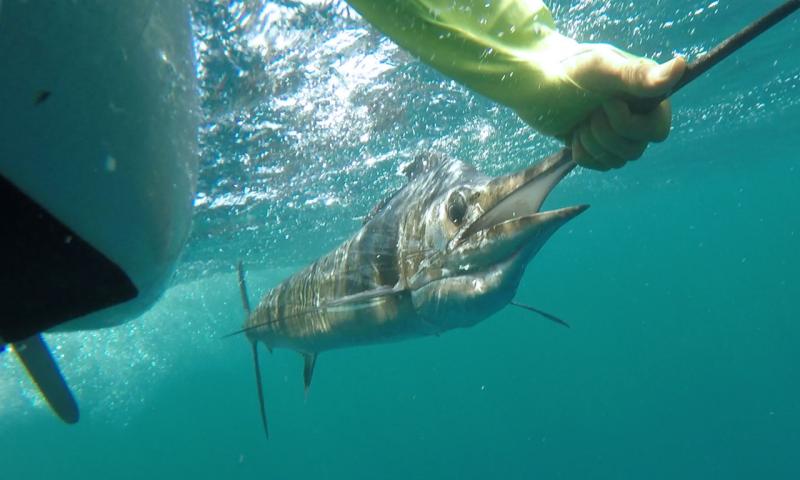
[[309, 109]]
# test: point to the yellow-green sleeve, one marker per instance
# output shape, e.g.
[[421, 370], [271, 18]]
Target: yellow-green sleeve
[[507, 50]]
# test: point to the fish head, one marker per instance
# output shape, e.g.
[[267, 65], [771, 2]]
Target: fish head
[[481, 234]]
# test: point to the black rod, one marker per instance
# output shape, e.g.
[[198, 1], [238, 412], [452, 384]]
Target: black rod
[[720, 52]]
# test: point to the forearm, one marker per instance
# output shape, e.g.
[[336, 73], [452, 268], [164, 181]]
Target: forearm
[[508, 51]]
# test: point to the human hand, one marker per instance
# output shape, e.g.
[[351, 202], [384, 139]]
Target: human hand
[[613, 135]]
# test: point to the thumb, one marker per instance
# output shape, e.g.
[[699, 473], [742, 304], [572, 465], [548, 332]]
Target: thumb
[[607, 71]]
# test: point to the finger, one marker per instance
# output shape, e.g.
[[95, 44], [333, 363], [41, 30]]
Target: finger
[[599, 157], [604, 69], [649, 79], [582, 157], [603, 156], [613, 142], [649, 127], [588, 142]]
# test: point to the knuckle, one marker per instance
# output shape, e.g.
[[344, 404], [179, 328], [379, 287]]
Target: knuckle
[[629, 73]]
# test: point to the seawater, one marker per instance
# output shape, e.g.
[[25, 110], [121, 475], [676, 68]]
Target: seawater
[[680, 282]]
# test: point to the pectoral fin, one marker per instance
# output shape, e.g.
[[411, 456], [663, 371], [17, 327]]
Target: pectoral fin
[[365, 297], [546, 315], [42, 367], [260, 389], [310, 359]]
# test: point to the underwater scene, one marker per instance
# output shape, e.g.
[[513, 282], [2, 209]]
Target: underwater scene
[[679, 284]]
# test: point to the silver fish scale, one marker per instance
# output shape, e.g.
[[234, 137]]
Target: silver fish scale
[[303, 313]]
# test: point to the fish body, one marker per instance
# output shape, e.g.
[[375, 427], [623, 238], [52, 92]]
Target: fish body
[[446, 251]]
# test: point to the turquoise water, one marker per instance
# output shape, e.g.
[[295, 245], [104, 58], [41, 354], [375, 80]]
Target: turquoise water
[[680, 282]]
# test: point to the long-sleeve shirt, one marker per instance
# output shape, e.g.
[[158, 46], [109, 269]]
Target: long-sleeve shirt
[[507, 50]]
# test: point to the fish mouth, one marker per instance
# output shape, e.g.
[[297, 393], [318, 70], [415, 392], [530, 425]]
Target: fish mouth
[[510, 220]]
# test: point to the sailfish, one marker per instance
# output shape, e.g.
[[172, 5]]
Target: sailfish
[[445, 251]]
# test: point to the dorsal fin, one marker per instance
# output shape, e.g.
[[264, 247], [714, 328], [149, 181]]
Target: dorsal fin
[[378, 207], [243, 289], [422, 163], [309, 359]]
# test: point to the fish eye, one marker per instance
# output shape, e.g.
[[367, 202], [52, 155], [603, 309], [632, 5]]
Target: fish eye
[[456, 207]]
